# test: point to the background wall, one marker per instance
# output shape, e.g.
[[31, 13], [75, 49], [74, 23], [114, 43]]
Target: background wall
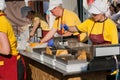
[[71, 5]]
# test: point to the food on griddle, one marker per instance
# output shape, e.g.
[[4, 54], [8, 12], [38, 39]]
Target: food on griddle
[[61, 52], [48, 51], [58, 52], [82, 54]]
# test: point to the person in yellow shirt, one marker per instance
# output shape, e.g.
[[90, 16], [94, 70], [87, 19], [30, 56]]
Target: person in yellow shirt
[[64, 18], [37, 20], [10, 59], [100, 29]]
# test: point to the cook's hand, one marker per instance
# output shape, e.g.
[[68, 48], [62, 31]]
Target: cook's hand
[[67, 34], [51, 42], [29, 39], [31, 34], [64, 26]]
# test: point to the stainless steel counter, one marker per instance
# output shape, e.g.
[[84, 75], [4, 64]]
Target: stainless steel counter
[[38, 64], [50, 62]]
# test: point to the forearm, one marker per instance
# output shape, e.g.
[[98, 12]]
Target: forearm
[[34, 29], [49, 35], [46, 38], [36, 24], [73, 29]]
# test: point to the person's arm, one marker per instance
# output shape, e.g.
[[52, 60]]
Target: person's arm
[[49, 35], [73, 29], [4, 44], [67, 34], [83, 27], [113, 33], [36, 24]]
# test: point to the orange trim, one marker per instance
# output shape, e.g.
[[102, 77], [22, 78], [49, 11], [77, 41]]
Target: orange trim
[[2, 14], [18, 57], [1, 63]]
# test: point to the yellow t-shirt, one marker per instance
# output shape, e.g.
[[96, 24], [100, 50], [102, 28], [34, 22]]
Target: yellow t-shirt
[[70, 19], [6, 27], [43, 23], [110, 31]]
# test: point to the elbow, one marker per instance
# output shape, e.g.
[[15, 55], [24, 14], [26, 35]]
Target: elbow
[[5, 51], [73, 29]]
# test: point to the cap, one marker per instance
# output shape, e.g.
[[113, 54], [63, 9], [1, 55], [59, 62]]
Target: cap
[[2, 5], [54, 3], [25, 10], [98, 7]]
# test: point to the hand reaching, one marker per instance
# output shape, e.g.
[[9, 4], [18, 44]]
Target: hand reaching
[[31, 34], [65, 27]]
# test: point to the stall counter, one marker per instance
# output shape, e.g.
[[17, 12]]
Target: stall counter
[[39, 70]]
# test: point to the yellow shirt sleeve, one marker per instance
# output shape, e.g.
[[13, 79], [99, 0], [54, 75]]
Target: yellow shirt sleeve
[[111, 33]]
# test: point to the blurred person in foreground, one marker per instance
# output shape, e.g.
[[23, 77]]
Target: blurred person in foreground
[[63, 19], [11, 62]]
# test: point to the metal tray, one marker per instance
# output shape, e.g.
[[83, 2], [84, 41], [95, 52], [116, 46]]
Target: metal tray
[[106, 50]]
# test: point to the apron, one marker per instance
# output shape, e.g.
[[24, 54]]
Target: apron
[[61, 31], [8, 68], [98, 38], [44, 32]]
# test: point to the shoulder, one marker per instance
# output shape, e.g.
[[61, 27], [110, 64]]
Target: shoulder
[[89, 20], [4, 21], [110, 22], [70, 12]]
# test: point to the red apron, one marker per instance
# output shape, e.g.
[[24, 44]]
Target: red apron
[[98, 38], [44, 32], [9, 68], [61, 31]]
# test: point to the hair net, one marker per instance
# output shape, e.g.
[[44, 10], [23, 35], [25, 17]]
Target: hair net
[[25, 10], [98, 7], [54, 3], [2, 5]]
